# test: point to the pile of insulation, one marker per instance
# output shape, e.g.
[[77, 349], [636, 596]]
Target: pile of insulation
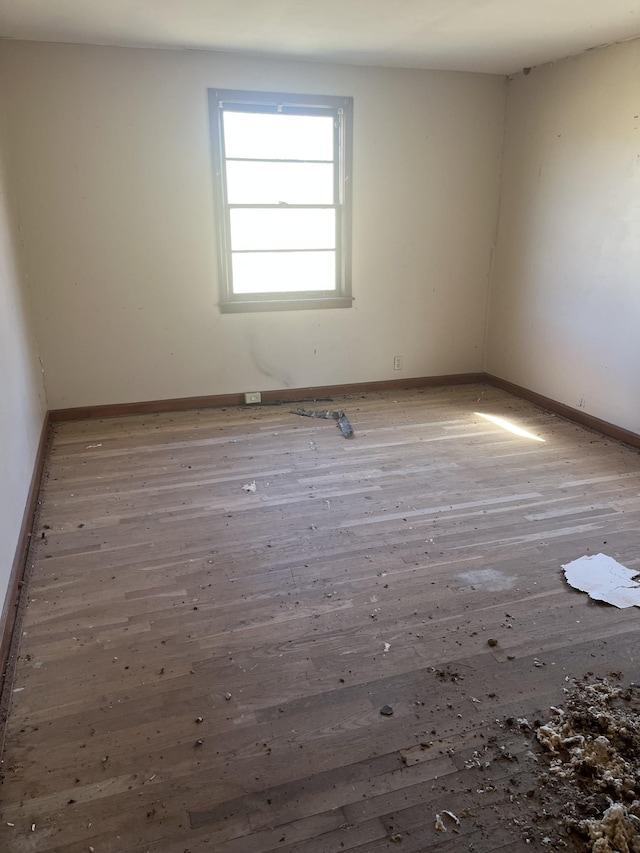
[[593, 747]]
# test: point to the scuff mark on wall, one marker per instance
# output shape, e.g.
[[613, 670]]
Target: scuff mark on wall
[[264, 366]]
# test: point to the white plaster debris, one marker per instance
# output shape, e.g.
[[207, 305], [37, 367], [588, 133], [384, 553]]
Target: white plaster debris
[[604, 579], [387, 646], [250, 487], [439, 823], [606, 755], [617, 829]]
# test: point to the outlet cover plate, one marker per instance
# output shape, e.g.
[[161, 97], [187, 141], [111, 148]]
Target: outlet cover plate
[[252, 397]]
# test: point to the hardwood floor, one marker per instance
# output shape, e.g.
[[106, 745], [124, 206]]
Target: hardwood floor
[[202, 668]]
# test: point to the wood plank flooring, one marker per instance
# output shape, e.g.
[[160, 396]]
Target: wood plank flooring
[[202, 668]]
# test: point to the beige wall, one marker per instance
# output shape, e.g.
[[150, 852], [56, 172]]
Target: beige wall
[[22, 403], [111, 152], [565, 303]]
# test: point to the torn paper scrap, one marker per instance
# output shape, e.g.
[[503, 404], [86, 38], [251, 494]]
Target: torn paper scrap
[[604, 580]]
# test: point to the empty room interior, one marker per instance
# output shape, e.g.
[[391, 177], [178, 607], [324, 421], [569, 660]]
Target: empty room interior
[[319, 426]]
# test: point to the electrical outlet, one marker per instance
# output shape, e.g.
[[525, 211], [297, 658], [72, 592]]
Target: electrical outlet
[[397, 362], [252, 397]]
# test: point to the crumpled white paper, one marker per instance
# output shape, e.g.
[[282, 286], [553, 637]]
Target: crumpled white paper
[[604, 580]]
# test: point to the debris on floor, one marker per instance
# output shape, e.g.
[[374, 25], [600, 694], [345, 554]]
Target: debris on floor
[[604, 579], [590, 781], [343, 421], [439, 823], [250, 487], [386, 710], [615, 830]]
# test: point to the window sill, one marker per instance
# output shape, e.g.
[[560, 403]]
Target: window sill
[[297, 304]]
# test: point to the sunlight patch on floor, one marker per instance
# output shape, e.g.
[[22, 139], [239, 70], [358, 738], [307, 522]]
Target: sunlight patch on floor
[[509, 426]]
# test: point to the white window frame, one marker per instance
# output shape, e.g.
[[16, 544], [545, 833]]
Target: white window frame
[[272, 102]]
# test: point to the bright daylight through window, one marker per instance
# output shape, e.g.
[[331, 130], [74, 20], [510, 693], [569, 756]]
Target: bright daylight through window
[[282, 175]]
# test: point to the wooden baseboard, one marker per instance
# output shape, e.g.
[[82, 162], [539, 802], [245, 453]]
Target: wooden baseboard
[[286, 395], [148, 407], [12, 598], [564, 411]]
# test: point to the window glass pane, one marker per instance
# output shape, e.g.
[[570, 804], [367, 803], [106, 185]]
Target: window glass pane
[[272, 183], [289, 272], [282, 229], [278, 137]]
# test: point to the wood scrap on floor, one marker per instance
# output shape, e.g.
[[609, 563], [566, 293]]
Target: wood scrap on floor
[[343, 421]]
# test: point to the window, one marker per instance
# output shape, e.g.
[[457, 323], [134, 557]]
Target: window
[[282, 172]]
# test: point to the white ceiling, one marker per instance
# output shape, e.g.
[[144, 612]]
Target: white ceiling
[[495, 36]]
